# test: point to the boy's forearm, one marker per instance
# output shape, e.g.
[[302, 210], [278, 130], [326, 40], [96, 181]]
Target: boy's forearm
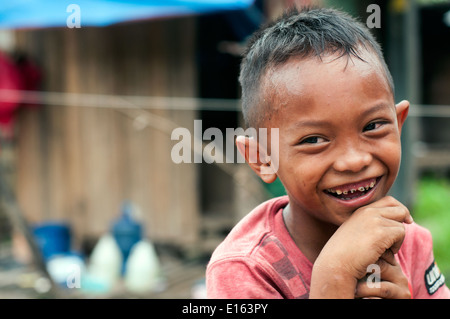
[[329, 283]]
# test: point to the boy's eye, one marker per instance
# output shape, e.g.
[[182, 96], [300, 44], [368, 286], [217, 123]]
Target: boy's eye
[[312, 140], [372, 126]]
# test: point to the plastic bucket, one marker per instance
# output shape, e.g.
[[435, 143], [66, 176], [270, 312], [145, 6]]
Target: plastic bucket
[[53, 238]]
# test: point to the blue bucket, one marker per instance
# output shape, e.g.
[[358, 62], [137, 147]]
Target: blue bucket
[[53, 238]]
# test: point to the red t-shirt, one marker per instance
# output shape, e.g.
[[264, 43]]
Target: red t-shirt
[[259, 260]]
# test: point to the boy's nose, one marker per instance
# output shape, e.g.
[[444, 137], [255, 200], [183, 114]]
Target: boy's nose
[[352, 159]]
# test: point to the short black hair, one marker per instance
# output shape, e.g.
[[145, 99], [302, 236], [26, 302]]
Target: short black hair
[[304, 33]]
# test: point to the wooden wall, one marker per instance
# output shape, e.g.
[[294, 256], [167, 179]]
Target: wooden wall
[[78, 163]]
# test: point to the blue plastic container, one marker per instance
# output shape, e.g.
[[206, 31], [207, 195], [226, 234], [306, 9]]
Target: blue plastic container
[[53, 238], [126, 231]]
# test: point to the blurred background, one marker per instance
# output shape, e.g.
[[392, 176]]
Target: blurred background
[[91, 203]]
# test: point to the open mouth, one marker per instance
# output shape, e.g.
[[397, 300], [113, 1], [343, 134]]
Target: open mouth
[[353, 190]]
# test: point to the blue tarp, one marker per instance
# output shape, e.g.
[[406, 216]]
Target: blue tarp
[[55, 13]]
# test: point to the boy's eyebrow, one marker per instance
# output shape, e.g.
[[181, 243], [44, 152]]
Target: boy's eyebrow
[[311, 123], [321, 123], [375, 108]]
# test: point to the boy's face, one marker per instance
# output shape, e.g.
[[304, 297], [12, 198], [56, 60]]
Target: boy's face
[[339, 133]]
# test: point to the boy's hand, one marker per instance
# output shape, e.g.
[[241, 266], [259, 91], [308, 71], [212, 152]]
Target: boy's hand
[[357, 243], [391, 284]]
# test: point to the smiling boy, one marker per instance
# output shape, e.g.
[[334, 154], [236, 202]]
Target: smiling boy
[[320, 78]]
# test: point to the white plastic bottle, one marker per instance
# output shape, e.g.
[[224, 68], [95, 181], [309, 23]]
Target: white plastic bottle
[[105, 262], [143, 269]]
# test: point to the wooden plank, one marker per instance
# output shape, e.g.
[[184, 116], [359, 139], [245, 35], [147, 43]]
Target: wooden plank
[[79, 164]]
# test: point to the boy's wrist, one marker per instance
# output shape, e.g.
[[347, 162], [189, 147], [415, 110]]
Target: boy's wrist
[[332, 282]]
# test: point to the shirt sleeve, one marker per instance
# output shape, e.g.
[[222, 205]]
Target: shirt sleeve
[[239, 279], [427, 280]]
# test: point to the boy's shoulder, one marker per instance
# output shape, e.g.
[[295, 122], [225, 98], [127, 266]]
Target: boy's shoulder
[[418, 264], [249, 233], [417, 238], [258, 259]]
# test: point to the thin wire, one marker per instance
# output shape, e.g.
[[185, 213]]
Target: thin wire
[[118, 101], [429, 110], [162, 102]]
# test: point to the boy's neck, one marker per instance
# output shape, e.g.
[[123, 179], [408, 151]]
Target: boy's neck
[[309, 234]]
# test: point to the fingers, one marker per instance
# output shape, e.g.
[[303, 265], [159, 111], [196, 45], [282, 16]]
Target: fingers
[[389, 269], [384, 290], [385, 280], [388, 218], [397, 238], [386, 233], [376, 232], [389, 257], [393, 209]]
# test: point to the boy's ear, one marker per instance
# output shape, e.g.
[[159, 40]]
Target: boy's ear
[[256, 157], [402, 110]]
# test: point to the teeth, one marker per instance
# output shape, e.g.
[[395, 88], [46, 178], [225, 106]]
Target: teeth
[[345, 192]]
